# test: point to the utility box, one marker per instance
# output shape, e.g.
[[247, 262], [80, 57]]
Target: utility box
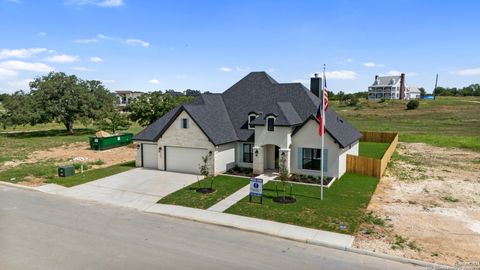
[[65, 171], [112, 141]]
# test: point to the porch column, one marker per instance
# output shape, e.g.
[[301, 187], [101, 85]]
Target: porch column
[[258, 159], [286, 152]]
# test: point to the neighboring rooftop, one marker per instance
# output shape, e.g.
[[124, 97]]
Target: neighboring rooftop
[[224, 117]]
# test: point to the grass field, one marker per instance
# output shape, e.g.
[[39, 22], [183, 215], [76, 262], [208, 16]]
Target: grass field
[[445, 122], [224, 185], [92, 175], [373, 149], [344, 203]]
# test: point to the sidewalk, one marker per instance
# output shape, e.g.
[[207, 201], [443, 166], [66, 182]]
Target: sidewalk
[[238, 195], [272, 228]]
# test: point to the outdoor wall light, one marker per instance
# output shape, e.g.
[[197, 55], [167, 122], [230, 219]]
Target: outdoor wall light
[[210, 153], [283, 154], [256, 152], [138, 146], [160, 149]]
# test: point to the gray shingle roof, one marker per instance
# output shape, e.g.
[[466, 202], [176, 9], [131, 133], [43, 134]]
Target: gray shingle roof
[[224, 117], [386, 80]]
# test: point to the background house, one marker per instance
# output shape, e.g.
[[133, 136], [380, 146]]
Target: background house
[[391, 87], [125, 96]]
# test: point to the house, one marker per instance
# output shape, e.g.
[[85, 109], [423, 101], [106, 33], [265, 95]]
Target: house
[[125, 96], [389, 87], [413, 92], [252, 124]]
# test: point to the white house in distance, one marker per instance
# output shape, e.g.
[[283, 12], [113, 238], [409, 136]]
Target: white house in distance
[[125, 96], [252, 124], [392, 87]]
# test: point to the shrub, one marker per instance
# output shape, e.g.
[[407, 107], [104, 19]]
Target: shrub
[[97, 162], [412, 104], [78, 165], [382, 100]]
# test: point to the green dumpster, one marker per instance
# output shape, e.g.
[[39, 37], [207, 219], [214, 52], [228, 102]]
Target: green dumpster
[[67, 170], [112, 141]]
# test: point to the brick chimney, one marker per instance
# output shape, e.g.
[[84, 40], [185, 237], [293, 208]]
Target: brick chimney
[[402, 86], [315, 83]]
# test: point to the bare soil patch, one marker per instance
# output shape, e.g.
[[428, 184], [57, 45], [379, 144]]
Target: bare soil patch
[[430, 202]]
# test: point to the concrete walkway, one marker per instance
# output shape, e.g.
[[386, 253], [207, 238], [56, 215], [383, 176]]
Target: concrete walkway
[[226, 203], [273, 228]]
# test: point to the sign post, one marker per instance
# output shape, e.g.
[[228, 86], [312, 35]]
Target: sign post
[[256, 188]]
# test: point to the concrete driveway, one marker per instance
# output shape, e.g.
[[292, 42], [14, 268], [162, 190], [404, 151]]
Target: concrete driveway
[[137, 188]]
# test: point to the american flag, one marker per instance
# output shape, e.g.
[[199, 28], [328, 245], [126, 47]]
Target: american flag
[[321, 130]]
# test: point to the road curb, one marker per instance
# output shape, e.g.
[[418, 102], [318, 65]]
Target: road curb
[[320, 243], [17, 186]]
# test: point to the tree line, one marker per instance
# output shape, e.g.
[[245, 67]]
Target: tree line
[[67, 99], [471, 90]]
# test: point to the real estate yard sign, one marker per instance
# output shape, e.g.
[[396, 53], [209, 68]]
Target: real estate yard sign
[[256, 188]]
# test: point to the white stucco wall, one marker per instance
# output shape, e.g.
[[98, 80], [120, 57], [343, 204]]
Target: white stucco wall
[[192, 137], [281, 136], [342, 159], [307, 137], [225, 157]]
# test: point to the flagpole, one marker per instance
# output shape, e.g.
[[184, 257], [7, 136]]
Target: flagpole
[[323, 133]]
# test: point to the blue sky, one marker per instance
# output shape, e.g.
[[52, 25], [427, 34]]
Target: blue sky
[[209, 45]]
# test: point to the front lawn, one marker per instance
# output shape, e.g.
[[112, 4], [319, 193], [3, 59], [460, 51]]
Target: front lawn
[[373, 149], [224, 185], [344, 203], [92, 175]]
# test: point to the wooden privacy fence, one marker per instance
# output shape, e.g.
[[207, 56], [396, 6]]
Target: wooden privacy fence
[[371, 166]]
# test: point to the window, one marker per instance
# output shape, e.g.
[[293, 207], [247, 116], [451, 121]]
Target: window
[[247, 155], [184, 122], [311, 159], [270, 122], [251, 118]]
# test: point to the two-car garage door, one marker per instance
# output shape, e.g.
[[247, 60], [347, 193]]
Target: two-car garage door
[[186, 160], [177, 159]]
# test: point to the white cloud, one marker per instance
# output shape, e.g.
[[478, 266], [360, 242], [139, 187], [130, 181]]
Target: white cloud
[[82, 69], [349, 60], [108, 81], [371, 65], [101, 3], [4, 73], [96, 59], [271, 70], [244, 69], [20, 53], [468, 72], [137, 42], [86, 41], [62, 58], [154, 81], [41, 34], [340, 75], [22, 84], [25, 66], [225, 69]]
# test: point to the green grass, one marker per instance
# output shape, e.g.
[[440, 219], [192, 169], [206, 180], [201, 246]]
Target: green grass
[[373, 149], [92, 175], [344, 203], [48, 170], [224, 185], [445, 122], [44, 169]]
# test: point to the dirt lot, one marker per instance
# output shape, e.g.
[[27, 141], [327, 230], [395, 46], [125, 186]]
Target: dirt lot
[[428, 206], [76, 152]]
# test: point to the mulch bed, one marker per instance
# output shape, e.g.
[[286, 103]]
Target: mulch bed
[[239, 171], [284, 200], [205, 190]]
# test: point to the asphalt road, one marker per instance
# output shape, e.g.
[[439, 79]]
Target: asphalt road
[[42, 231]]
